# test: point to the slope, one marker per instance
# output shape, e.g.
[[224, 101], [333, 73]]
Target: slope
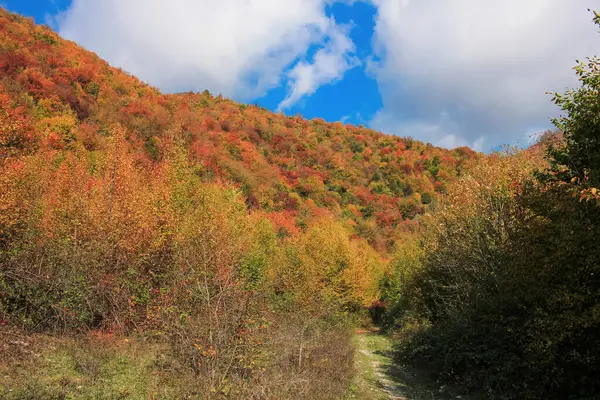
[[54, 94]]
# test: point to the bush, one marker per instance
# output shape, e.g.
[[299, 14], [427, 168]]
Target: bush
[[499, 295], [111, 246]]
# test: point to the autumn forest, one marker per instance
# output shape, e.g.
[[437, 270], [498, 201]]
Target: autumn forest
[[185, 246]]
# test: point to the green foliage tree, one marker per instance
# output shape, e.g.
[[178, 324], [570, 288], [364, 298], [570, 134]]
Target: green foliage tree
[[426, 198], [575, 159]]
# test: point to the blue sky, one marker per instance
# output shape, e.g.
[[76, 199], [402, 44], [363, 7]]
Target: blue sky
[[471, 73], [355, 99]]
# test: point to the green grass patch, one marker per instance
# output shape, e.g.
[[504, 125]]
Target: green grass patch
[[76, 368]]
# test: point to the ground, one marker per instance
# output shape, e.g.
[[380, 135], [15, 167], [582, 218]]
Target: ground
[[40, 367], [102, 366], [379, 379]]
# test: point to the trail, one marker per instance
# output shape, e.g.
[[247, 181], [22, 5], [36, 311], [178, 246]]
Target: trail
[[379, 379]]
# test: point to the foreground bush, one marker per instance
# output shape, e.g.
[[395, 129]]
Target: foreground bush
[[99, 241], [500, 295]]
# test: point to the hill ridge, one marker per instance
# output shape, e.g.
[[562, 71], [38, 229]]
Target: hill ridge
[[290, 167]]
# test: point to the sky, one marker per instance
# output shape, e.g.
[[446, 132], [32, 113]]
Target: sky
[[447, 72]]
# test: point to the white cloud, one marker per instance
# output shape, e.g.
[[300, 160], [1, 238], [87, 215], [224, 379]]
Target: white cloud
[[237, 47], [476, 70], [329, 65]]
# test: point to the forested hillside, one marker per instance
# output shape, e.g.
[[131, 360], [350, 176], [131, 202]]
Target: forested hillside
[[234, 245], [62, 98]]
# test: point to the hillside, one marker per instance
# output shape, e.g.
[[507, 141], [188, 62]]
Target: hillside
[[185, 245], [56, 95]]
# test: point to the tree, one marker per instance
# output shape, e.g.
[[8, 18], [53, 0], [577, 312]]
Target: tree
[[575, 160]]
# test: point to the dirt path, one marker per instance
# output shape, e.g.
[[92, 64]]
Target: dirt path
[[372, 348], [379, 379]]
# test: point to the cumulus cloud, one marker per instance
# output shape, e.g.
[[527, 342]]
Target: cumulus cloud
[[236, 47], [329, 64], [472, 72]]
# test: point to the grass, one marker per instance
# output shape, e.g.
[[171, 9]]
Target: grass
[[43, 367], [100, 366]]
